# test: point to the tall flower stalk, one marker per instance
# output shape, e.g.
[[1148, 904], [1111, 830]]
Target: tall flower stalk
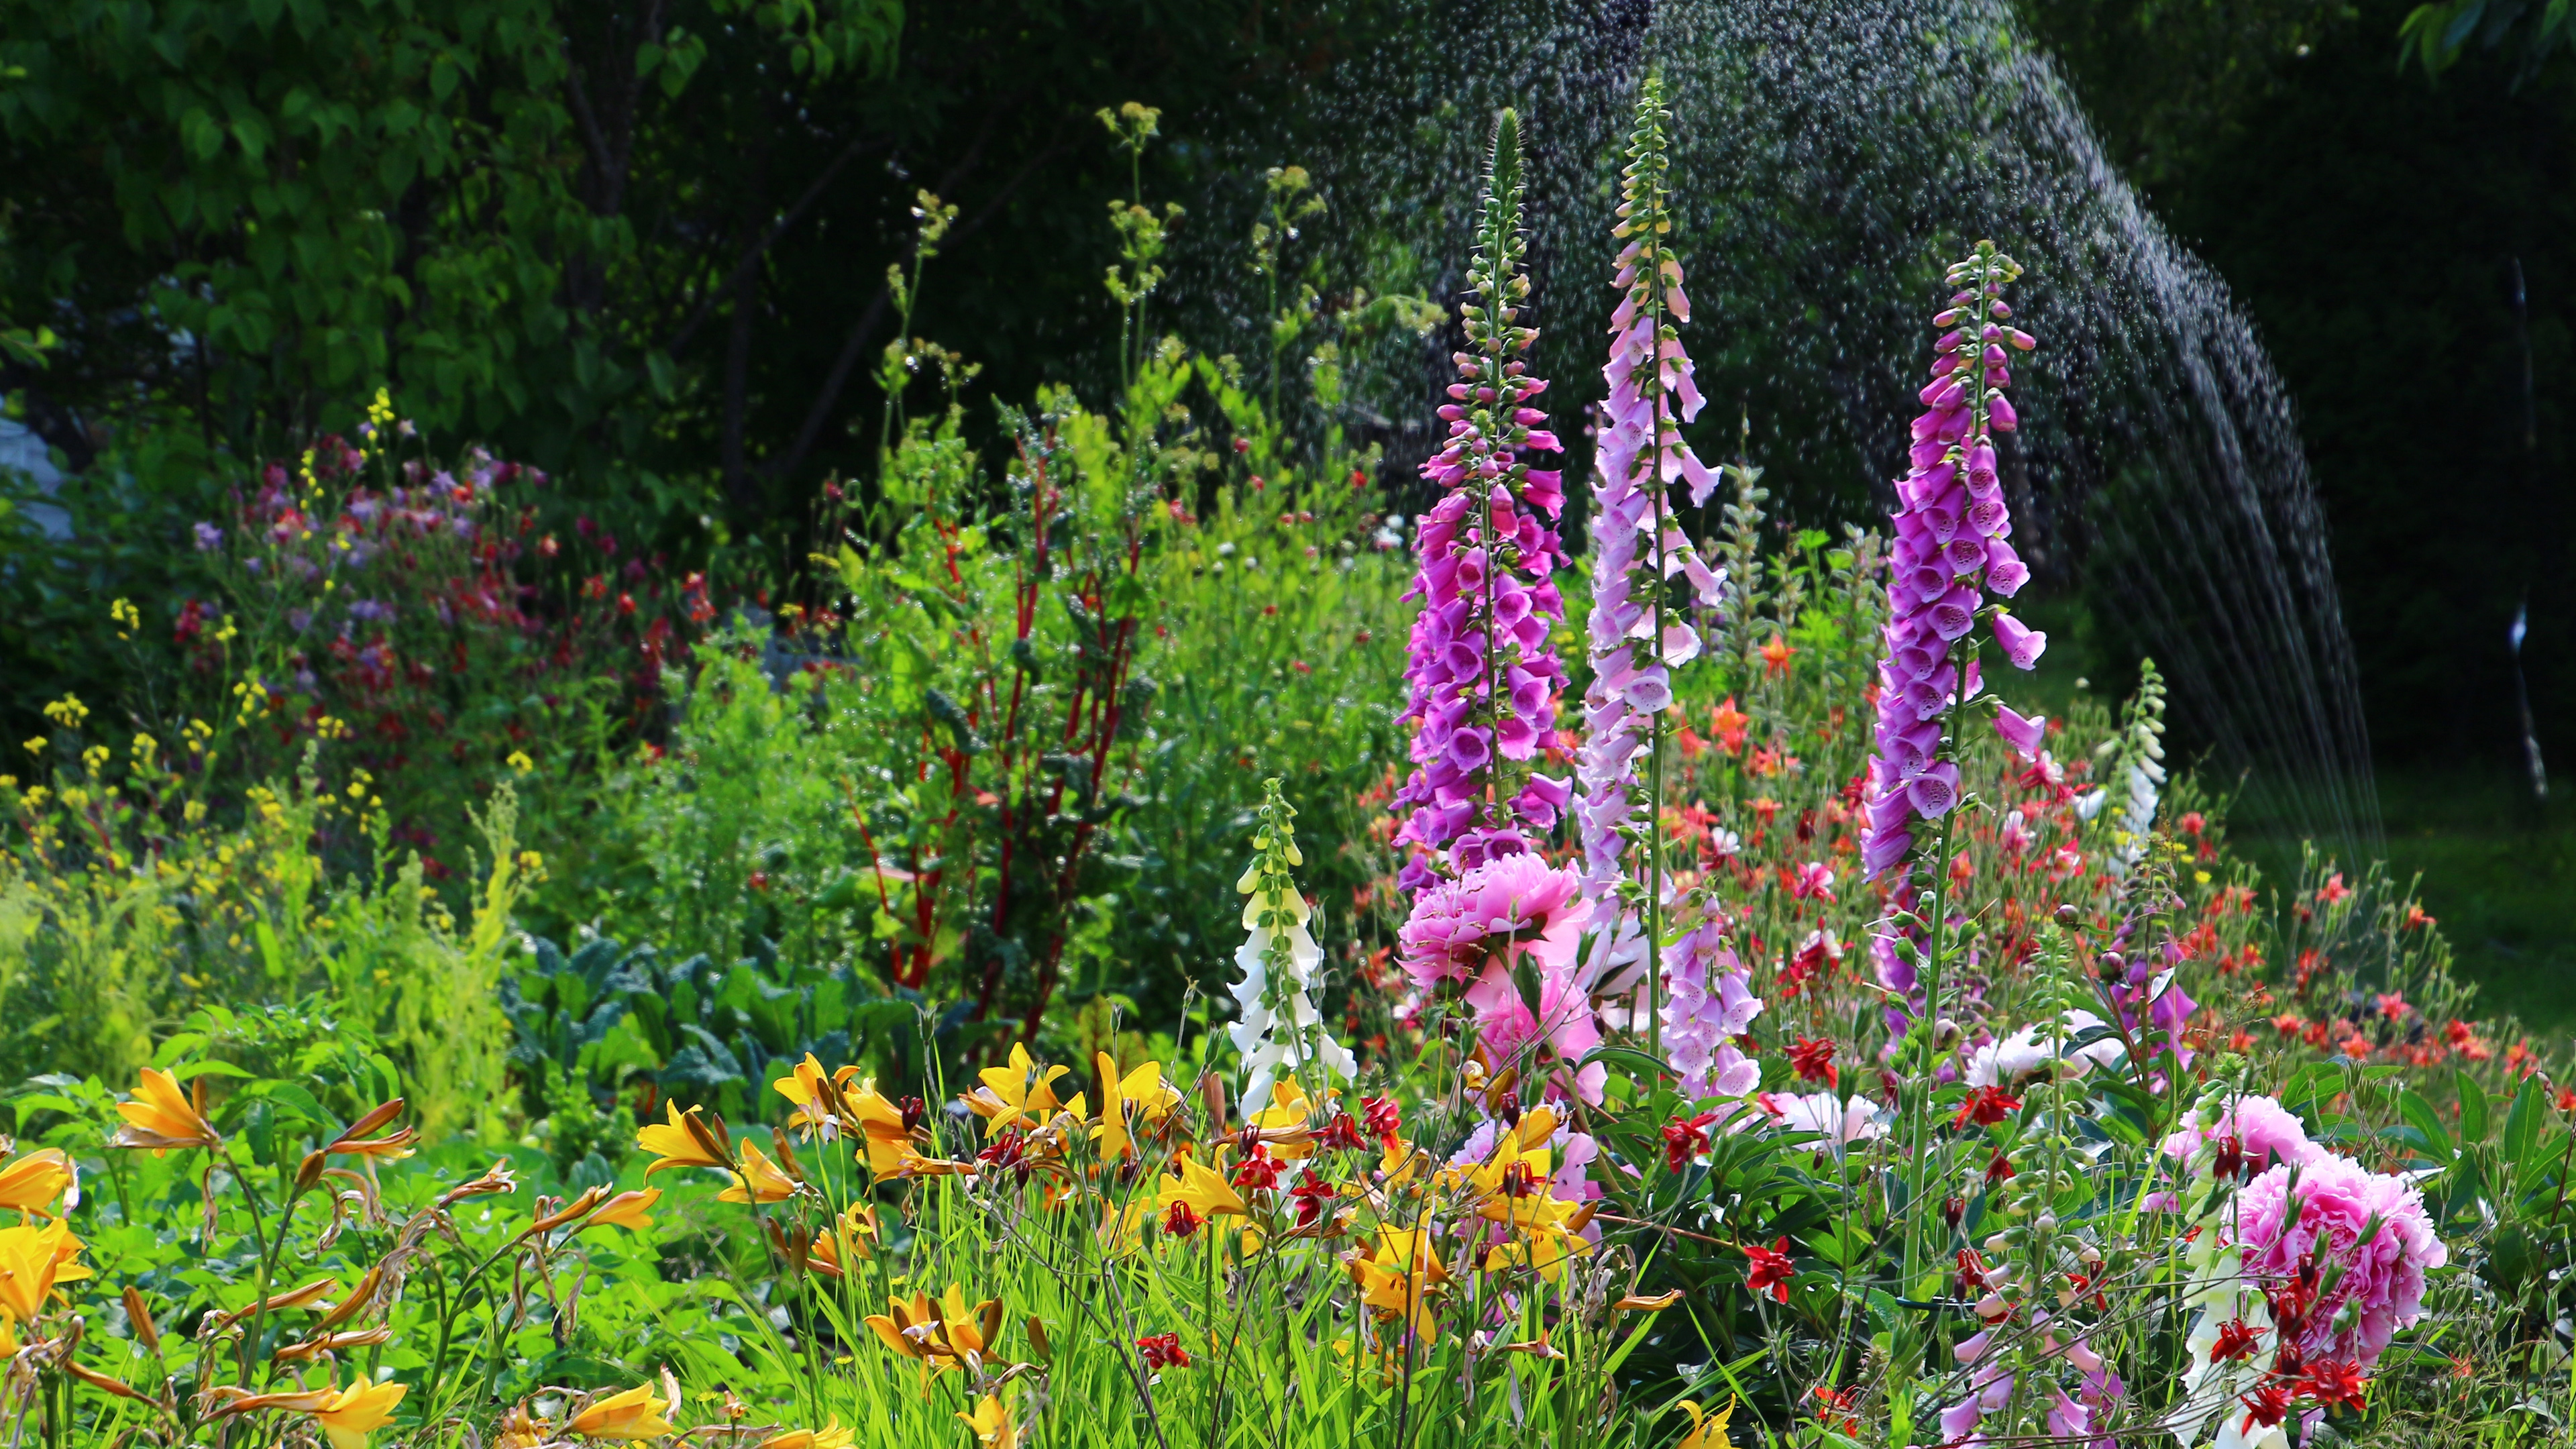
[[1635, 640], [1278, 1030], [1483, 681], [1951, 548]]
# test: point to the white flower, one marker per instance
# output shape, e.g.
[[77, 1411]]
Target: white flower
[[2028, 1050], [1278, 1031]]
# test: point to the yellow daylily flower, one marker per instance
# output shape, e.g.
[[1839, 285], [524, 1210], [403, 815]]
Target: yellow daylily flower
[[942, 1334], [991, 1423], [33, 1262], [164, 1119], [684, 1141], [858, 1228], [881, 1123], [830, 1436], [1706, 1433], [1023, 1091], [1287, 1123], [31, 1181], [816, 1097], [626, 1210], [759, 1180], [1143, 1088], [634, 1414], [1401, 1276], [1200, 1186], [347, 1416]]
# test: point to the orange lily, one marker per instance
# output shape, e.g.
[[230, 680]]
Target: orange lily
[[991, 1422], [684, 1141], [33, 1262], [634, 1414], [1203, 1188], [857, 1227], [31, 1181], [1023, 1091], [830, 1436], [759, 1180], [163, 1118], [626, 1210]]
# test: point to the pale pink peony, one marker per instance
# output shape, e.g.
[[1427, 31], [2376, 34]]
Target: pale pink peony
[[2267, 1132], [2382, 1280], [1508, 906]]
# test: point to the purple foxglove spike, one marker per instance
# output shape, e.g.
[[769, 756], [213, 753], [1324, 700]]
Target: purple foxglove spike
[[2005, 572], [1988, 516], [2021, 731], [2022, 644], [2000, 415]]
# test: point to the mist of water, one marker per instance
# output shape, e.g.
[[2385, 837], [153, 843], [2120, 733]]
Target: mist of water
[[1829, 158]]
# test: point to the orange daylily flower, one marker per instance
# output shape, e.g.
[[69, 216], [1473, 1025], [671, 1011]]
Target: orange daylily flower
[[31, 1181], [164, 1119], [830, 1436], [626, 1210], [991, 1422], [760, 1179], [1022, 1091], [33, 1262], [347, 1415], [634, 1414], [684, 1141]]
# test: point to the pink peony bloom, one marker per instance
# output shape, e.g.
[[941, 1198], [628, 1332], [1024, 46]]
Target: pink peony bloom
[[1506, 907], [2382, 1282], [2265, 1131]]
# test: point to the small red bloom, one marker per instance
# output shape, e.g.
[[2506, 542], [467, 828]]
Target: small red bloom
[[1684, 1139], [1813, 1059], [1182, 1220], [2266, 1406], [1383, 1118], [2333, 1384], [1258, 1170], [1985, 1107], [1340, 1133], [1771, 1270], [1163, 1351], [2236, 1339], [1311, 1194]]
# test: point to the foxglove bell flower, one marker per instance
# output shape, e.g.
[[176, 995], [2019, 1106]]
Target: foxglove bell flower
[[2142, 771], [1483, 680], [1712, 1003], [1277, 1028], [1636, 546], [1951, 548]]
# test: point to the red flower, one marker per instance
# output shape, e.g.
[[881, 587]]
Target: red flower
[[1998, 1170], [1182, 1220], [1771, 1270], [1813, 1059], [2266, 1406], [1986, 1106], [2331, 1383], [1383, 1118], [1163, 1351], [1259, 1170], [2236, 1339], [1684, 1139], [1311, 1194], [1340, 1133]]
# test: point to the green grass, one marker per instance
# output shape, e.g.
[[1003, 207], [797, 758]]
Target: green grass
[[2499, 873]]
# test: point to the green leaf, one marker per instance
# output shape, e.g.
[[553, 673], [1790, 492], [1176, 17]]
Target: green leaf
[[2427, 1122], [2522, 1125], [2473, 1108], [199, 133]]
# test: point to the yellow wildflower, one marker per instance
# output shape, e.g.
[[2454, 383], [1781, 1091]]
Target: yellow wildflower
[[1023, 1091], [162, 1118], [1153, 1097], [1706, 1433], [684, 1141], [830, 1436], [31, 1181], [942, 1334], [760, 1179], [1400, 1277], [857, 1228], [33, 1262], [1202, 1188], [347, 1415], [634, 1414], [991, 1422]]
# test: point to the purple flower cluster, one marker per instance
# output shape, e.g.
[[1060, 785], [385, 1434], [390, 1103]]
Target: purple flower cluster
[[1483, 680], [1638, 454], [1952, 534], [1712, 1004]]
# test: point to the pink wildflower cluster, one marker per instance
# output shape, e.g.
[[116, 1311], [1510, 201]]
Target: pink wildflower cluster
[[1712, 1003]]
